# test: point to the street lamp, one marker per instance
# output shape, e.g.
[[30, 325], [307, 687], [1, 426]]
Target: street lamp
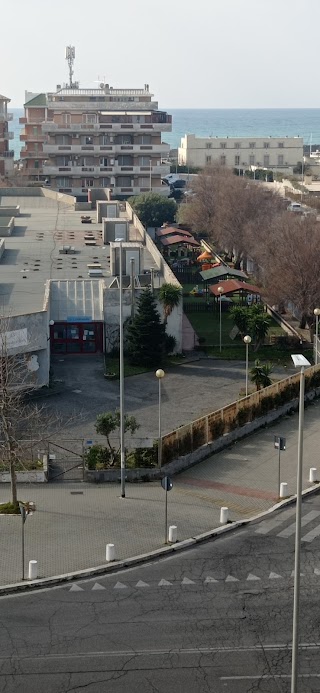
[[316, 312], [150, 175], [160, 374], [121, 369], [300, 362], [220, 290], [51, 323], [247, 340]]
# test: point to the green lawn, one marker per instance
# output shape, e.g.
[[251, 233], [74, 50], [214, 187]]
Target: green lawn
[[112, 366]]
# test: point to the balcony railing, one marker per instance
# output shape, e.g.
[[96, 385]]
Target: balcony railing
[[5, 117], [7, 155]]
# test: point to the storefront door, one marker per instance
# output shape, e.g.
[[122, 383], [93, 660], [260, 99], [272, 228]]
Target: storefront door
[[76, 337]]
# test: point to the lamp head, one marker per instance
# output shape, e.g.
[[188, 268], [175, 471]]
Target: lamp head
[[316, 311], [160, 373], [247, 339], [299, 360], [220, 289], [51, 323]]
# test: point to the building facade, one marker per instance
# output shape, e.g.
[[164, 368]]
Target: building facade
[[6, 154], [279, 153], [79, 139]]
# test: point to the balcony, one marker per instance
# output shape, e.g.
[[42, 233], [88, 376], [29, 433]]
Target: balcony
[[29, 154], [5, 117], [10, 135], [28, 137], [91, 106], [101, 171], [23, 120], [101, 148], [55, 128], [7, 155]]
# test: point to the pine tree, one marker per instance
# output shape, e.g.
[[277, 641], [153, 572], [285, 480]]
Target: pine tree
[[146, 334]]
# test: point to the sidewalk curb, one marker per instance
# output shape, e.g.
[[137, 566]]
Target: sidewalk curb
[[21, 587]]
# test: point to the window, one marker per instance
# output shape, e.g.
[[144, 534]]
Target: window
[[125, 160], [266, 160], [208, 159], [90, 118], [237, 160], [223, 145], [208, 145], [266, 145], [280, 160], [88, 140], [63, 182], [237, 145], [146, 139], [104, 162], [252, 145], [223, 160], [63, 139], [281, 145], [104, 182], [124, 182], [87, 183], [144, 161], [251, 160]]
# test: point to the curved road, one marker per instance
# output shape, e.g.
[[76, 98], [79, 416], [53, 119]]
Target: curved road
[[215, 619]]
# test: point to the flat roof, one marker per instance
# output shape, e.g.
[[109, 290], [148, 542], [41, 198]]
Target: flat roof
[[33, 253]]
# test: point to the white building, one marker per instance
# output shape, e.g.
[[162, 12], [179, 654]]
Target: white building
[[241, 152]]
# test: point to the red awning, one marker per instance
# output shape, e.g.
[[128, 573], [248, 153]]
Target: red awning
[[231, 285]]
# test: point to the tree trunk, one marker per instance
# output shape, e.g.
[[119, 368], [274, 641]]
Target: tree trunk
[[13, 478], [303, 321]]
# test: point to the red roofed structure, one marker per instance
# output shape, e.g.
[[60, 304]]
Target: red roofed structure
[[171, 230], [230, 286], [176, 240]]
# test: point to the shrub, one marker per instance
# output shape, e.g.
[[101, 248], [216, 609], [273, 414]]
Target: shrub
[[9, 509], [243, 416], [198, 436], [170, 343], [143, 457], [185, 444], [98, 457]]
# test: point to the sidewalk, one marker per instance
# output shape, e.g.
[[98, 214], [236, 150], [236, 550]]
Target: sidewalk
[[74, 522]]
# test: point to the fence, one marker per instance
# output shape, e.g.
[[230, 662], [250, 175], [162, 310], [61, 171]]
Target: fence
[[210, 427], [200, 307]]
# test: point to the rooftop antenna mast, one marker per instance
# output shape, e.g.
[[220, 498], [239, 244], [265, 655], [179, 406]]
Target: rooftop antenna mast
[[70, 55]]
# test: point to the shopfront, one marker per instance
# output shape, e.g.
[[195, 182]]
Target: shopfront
[[76, 336]]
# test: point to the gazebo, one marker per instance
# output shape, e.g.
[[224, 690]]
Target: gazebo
[[234, 286]]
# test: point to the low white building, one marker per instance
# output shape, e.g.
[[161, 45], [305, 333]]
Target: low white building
[[241, 152]]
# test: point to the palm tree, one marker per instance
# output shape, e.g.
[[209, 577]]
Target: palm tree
[[260, 374], [169, 296], [259, 324]]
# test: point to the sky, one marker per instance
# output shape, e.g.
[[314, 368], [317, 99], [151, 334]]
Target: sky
[[192, 53]]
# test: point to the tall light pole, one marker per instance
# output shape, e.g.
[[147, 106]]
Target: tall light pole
[[160, 374], [247, 340], [220, 290], [316, 312], [150, 175], [300, 362], [122, 448]]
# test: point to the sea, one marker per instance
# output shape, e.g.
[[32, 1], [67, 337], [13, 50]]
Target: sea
[[229, 122]]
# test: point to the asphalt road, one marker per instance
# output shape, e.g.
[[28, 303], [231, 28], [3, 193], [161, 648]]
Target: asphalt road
[[217, 618]]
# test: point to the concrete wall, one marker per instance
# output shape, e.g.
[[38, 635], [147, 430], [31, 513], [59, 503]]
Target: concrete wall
[[37, 345], [21, 192], [107, 209], [68, 200], [6, 226], [9, 211], [2, 247], [32, 477]]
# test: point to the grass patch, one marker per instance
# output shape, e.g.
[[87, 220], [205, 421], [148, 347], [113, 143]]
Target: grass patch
[[207, 326], [9, 509], [272, 354], [113, 366]]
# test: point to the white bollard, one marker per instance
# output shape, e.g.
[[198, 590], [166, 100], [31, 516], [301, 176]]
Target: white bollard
[[313, 475], [224, 515], [33, 570], [283, 489], [173, 534], [110, 552]]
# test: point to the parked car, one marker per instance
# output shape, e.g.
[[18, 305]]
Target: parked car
[[295, 207]]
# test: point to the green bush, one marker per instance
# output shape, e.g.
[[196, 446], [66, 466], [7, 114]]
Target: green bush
[[243, 416], [143, 457], [9, 509], [185, 444], [98, 457]]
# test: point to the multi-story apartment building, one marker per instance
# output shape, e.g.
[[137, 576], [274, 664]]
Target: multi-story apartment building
[[80, 139], [241, 152], [6, 154]]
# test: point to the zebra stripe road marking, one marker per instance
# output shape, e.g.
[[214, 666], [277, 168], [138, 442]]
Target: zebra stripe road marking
[[288, 531], [267, 525]]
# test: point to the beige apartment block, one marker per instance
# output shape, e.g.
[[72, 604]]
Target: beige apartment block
[[279, 153], [6, 154], [80, 139]]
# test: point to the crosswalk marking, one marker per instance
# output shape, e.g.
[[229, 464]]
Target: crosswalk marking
[[274, 576], [140, 583], [209, 579], [292, 574], [288, 531], [312, 534], [230, 578], [252, 577], [96, 586], [187, 581], [163, 583], [120, 586], [267, 525]]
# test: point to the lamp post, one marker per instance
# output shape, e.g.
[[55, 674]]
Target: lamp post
[[220, 290], [51, 323], [300, 362], [247, 340], [150, 175], [160, 374], [121, 368], [316, 312]]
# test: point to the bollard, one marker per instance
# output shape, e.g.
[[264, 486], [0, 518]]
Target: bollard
[[110, 552], [313, 475], [33, 570], [173, 534], [224, 515], [283, 490]]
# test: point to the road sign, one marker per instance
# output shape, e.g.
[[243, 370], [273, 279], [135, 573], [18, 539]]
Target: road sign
[[166, 483], [279, 443]]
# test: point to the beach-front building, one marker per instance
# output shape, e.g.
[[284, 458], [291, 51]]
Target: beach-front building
[[276, 153], [6, 154]]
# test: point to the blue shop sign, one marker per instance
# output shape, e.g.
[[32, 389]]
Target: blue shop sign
[[77, 318]]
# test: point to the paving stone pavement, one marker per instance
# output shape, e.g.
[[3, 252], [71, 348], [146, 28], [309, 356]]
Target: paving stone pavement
[[74, 522]]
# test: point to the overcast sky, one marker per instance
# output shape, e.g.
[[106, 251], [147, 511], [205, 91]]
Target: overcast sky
[[193, 53]]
